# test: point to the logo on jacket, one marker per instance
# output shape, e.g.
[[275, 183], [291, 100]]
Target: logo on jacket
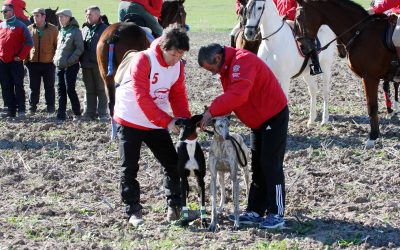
[[161, 94], [236, 68]]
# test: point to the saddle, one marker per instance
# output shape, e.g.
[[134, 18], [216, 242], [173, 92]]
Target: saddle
[[123, 67], [387, 40]]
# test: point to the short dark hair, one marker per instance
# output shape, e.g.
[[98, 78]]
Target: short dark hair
[[207, 53], [175, 38]]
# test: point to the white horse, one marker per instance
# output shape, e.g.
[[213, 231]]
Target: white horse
[[280, 52]]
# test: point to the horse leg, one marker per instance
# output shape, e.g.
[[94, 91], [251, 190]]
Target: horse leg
[[326, 89], [312, 90], [396, 96], [371, 93], [388, 102]]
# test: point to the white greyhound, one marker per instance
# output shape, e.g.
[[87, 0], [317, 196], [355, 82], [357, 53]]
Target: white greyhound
[[227, 151], [279, 51]]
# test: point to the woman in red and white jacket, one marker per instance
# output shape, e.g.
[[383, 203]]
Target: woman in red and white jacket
[[153, 85]]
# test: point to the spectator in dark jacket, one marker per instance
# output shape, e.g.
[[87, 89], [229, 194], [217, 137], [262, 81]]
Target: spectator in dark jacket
[[40, 60], [15, 44], [96, 99], [69, 49]]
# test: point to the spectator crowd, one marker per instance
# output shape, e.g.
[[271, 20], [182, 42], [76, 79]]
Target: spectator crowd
[[42, 52]]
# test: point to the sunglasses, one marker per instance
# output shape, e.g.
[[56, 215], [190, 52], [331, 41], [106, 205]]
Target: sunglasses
[[5, 11]]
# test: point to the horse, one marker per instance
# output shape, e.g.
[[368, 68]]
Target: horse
[[240, 41], [368, 56], [126, 36], [51, 16], [280, 52]]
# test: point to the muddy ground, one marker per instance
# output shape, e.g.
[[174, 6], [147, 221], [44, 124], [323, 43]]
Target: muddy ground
[[59, 182]]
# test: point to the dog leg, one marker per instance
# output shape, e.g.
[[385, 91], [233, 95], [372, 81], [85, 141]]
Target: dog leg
[[203, 214], [184, 194], [213, 187], [221, 180], [246, 174], [235, 193]]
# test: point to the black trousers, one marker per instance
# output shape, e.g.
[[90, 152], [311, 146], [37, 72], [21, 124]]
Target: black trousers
[[267, 190], [66, 86], [12, 84], [160, 143], [37, 71]]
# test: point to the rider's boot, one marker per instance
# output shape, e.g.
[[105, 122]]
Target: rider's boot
[[315, 68]]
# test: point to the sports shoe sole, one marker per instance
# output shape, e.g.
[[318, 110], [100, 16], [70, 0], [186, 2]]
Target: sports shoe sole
[[279, 225]]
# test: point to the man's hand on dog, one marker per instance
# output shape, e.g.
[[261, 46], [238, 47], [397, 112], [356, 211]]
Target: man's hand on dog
[[206, 119]]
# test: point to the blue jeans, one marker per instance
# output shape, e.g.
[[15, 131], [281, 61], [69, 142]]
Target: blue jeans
[[66, 86], [12, 84]]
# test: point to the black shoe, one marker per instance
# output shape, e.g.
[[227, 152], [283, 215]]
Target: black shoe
[[61, 117], [9, 115], [315, 69]]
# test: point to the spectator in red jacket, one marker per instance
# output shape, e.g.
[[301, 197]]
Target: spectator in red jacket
[[15, 44], [394, 7], [148, 10], [254, 94], [142, 110], [19, 8]]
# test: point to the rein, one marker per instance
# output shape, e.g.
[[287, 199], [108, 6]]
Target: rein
[[348, 30], [273, 33]]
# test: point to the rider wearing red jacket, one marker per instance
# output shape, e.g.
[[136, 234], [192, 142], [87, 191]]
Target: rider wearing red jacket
[[394, 6], [148, 10], [252, 91]]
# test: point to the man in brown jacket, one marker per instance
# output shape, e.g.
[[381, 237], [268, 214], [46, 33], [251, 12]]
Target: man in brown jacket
[[40, 60]]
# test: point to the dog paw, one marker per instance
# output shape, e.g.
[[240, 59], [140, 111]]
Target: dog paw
[[204, 223]]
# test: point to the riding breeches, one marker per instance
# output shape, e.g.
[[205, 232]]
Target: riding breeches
[[235, 29]]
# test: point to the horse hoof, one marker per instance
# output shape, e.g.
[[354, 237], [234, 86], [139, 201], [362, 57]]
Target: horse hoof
[[370, 144]]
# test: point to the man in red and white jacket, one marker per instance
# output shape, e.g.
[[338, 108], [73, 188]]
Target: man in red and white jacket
[[149, 10], [153, 86], [252, 91]]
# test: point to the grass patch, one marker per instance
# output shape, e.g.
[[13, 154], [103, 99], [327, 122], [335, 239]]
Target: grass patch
[[353, 241]]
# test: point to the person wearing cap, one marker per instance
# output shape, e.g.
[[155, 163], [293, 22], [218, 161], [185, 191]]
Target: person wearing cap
[[69, 48], [15, 44], [40, 60], [96, 98], [19, 8], [149, 10]]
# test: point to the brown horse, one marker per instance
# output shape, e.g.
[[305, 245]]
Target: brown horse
[[125, 36], [362, 36], [240, 41]]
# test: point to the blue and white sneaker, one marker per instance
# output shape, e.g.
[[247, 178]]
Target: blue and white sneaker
[[272, 221], [247, 218]]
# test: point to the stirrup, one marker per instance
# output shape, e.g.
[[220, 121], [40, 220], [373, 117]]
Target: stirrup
[[315, 69]]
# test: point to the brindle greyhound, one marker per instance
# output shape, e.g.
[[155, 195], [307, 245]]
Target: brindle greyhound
[[227, 152]]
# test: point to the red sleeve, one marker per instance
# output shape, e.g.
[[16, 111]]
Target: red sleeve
[[287, 7], [140, 70], [237, 7], [178, 98], [27, 45], [237, 91], [155, 7], [386, 5]]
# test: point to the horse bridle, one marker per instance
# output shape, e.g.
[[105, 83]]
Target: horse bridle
[[258, 22], [246, 13]]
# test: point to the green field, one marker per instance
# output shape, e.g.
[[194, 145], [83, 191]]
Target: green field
[[202, 15]]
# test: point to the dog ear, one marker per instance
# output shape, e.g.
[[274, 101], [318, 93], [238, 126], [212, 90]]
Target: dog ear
[[229, 117]]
